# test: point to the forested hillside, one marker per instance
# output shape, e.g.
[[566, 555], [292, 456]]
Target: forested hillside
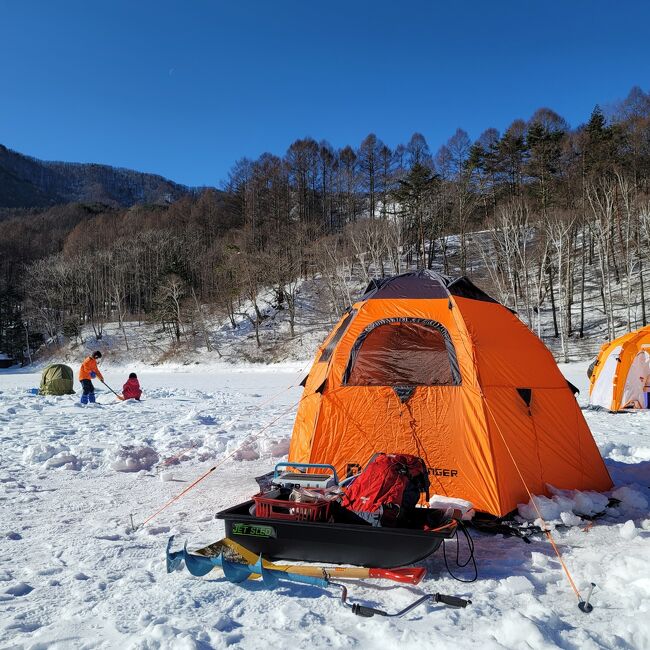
[[27, 182], [547, 217]]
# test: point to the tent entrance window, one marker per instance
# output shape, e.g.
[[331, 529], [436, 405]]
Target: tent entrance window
[[403, 352]]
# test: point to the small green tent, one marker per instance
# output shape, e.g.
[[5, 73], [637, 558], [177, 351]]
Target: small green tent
[[57, 379]]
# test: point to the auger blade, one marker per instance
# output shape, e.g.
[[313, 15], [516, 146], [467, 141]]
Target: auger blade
[[269, 578], [174, 559], [198, 565], [234, 572]]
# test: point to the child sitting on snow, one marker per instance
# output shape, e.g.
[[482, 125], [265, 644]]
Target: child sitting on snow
[[132, 390]]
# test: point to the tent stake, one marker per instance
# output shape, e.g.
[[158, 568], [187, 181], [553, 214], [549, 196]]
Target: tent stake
[[584, 605]]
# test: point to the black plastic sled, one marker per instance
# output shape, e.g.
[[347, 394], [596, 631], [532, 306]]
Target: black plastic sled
[[335, 543]]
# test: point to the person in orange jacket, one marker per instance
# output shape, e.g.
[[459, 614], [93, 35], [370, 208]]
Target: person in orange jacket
[[87, 373]]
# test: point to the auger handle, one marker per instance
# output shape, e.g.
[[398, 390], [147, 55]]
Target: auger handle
[[411, 575], [307, 580], [367, 612], [452, 601]]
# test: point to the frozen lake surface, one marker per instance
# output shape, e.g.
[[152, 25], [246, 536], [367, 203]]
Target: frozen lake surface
[[74, 575]]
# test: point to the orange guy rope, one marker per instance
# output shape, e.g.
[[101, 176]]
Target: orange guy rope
[[167, 461], [246, 440], [582, 604]]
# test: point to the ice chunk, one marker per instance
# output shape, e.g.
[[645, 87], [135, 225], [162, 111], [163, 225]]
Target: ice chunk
[[19, 589], [515, 585], [539, 560], [569, 519], [246, 451], [569, 502], [628, 530], [589, 503], [630, 498], [546, 507]]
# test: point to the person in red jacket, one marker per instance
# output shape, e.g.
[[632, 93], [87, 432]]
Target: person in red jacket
[[87, 373], [132, 390]]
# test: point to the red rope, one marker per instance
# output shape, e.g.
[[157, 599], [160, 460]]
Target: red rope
[[246, 440], [167, 461], [532, 499], [178, 496], [549, 536]]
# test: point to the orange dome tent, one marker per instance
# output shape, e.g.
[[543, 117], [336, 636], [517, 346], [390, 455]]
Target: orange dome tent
[[432, 366], [621, 372]]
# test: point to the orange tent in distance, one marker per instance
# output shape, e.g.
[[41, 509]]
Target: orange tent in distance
[[621, 374]]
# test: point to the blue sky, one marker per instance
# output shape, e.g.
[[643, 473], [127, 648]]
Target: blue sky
[[185, 88]]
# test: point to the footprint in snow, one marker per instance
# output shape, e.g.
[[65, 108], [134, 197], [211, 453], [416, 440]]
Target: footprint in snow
[[158, 530], [50, 571], [19, 589]]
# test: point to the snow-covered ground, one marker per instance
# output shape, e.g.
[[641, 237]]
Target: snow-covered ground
[[73, 574]]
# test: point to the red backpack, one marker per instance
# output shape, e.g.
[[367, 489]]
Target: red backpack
[[389, 480]]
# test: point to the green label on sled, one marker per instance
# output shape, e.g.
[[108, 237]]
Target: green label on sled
[[253, 530]]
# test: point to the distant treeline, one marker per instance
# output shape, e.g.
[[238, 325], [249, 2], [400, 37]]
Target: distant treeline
[[554, 201]]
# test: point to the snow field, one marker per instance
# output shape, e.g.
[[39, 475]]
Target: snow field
[[73, 574]]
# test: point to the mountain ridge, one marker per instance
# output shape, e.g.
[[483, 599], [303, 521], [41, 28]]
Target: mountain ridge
[[28, 182]]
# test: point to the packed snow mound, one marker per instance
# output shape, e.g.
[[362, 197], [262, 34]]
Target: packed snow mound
[[51, 456], [276, 448], [131, 458], [564, 506], [63, 459], [39, 453], [247, 451]]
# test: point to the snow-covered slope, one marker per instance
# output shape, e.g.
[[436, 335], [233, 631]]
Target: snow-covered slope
[[73, 574], [148, 342], [143, 343]]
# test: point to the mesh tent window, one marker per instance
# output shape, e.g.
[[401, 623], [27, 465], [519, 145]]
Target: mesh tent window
[[403, 352]]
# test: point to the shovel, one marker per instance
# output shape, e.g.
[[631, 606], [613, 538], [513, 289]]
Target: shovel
[[112, 391]]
